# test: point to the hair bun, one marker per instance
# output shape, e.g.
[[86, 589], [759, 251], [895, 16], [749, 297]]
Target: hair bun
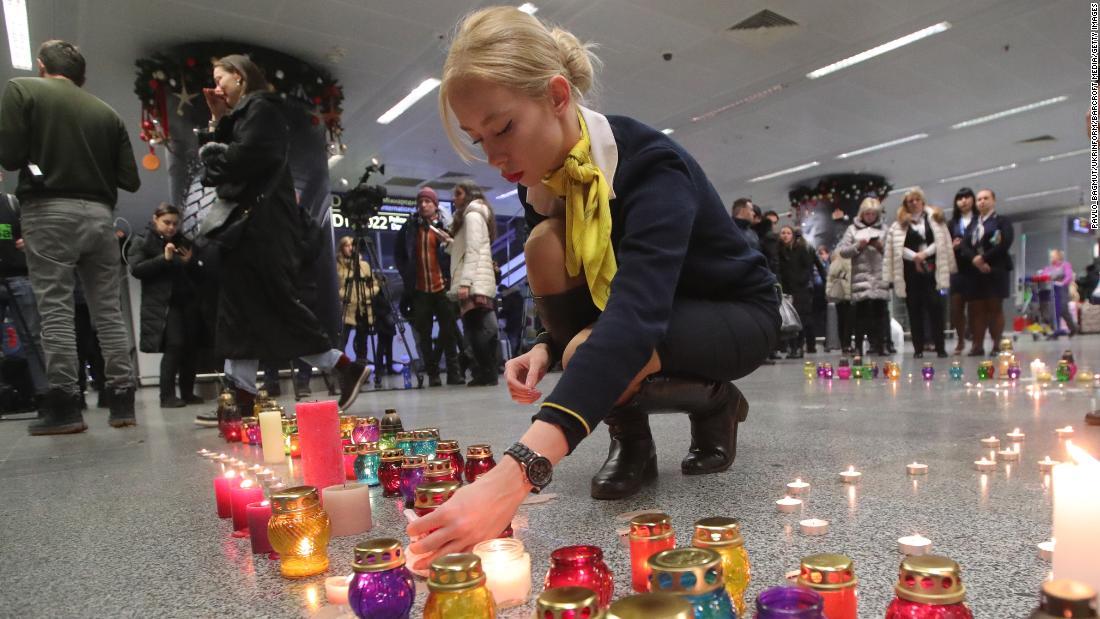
[[577, 59]]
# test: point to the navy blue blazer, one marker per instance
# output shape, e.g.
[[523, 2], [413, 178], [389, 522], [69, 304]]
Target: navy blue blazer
[[673, 238]]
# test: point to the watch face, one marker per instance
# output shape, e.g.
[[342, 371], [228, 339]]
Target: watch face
[[539, 471]]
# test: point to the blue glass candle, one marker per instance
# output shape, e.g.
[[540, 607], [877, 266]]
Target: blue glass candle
[[956, 371], [381, 586], [366, 464], [694, 574], [789, 603], [404, 441], [424, 442]]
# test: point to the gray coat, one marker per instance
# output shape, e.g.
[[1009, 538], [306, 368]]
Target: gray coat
[[867, 281]]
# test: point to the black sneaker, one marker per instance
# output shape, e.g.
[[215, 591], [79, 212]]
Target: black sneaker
[[58, 413], [122, 408], [206, 420], [433, 381], [193, 399], [172, 402], [352, 376], [455, 379]]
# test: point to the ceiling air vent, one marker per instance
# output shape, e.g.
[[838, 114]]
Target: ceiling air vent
[[763, 20], [404, 181], [455, 175], [1037, 139]]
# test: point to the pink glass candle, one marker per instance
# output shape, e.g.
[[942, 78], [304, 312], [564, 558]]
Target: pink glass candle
[[258, 514], [351, 452], [223, 484], [248, 492], [320, 444]]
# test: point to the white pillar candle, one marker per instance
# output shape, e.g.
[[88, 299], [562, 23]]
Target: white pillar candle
[[788, 505], [813, 526], [1076, 513], [271, 436], [850, 476], [916, 468], [348, 508], [336, 589], [507, 570], [914, 545], [797, 487]]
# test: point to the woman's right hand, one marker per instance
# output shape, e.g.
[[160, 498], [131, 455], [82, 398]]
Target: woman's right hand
[[169, 249], [216, 103], [522, 373]]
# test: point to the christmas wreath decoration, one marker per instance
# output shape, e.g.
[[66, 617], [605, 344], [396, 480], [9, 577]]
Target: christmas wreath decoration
[[843, 190]]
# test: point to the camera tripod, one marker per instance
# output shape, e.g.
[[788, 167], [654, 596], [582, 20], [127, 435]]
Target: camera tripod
[[356, 287]]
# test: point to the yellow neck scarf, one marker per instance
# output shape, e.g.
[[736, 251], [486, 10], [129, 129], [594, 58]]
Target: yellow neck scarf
[[587, 218]]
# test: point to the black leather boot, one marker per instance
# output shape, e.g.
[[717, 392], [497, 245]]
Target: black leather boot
[[714, 408], [631, 458]]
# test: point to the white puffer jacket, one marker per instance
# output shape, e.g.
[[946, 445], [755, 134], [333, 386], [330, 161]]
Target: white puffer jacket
[[472, 254], [893, 269]]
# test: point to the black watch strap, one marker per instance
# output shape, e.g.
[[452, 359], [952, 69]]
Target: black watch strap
[[536, 468]]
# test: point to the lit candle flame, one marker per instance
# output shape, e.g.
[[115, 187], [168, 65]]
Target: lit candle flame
[[851, 469], [230, 474], [246, 483]]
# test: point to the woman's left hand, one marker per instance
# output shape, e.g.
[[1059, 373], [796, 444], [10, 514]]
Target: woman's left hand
[[475, 513], [463, 293]]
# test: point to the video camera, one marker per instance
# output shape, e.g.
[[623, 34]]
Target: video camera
[[365, 200]]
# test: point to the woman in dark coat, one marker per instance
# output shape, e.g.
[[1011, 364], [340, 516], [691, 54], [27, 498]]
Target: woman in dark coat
[[986, 248], [961, 281], [170, 320], [796, 265], [260, 314]]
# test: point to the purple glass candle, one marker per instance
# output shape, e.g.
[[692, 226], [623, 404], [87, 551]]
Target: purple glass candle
[[928, 371], [365, 431], [382, 587], [412, 474], [789, 603]]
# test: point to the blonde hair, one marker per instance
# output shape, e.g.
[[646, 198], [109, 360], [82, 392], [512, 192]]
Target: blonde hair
[[506, 46], [870, 204], [903, 211]]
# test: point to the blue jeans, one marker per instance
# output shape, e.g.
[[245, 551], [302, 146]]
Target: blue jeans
[[17, 302]]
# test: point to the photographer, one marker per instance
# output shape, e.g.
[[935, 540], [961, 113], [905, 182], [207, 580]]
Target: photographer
[[357, 288]]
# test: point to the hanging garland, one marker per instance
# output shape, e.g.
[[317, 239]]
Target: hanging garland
[[843, 190], [170, 84]]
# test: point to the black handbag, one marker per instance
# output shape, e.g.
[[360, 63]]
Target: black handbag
[[225, 221]]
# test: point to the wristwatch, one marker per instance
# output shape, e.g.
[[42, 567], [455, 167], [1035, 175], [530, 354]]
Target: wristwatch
[[536, 468]]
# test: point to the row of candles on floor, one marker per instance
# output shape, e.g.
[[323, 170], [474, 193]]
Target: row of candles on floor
[[1006, 367]]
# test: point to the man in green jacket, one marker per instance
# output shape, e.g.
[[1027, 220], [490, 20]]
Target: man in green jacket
[[72, 153]]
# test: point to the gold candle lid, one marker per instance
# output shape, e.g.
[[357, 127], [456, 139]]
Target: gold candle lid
[[1062, 362], [351, 449], [1006, 344], [391, 455], [432, 494], [986, 364], [432, 432], [956, 364], [557, 602], [378, 555], [651, 525], [686, 571], [930, 579], [413, 462], [368, 448], [404, 436], [827, 572], [651, 606], [446, 447], [716, 532], [294, 499], [928, 364], [367, 421], [1068, 598], [479, 451], [249, 419], [438, 468], [226, 397], [391, 422], [456, 572], [261, 394]]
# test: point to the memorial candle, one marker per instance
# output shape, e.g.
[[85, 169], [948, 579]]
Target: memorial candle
[[223, 497], [350, 453], [319, 436], [650, 533], [258, 516], [336, 589], [1076, 514], [271, 436], [348, 508], [833, 578], [381, 587], [248, 492], [929, 588], [581, 566], [507, 568]]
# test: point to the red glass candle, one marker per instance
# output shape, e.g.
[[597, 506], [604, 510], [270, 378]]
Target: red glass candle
[[441, 469], [448, 450], [294, 445], [258, 516], [431, 494], [319, 435], [833, 577], [389, 471], [248, 492], [231, 430], [351, 452], [581, 566], [479, 461], [650, 533], [223, 497], [929, 587]]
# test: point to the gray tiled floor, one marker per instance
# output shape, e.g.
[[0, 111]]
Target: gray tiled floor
[[121, 523]]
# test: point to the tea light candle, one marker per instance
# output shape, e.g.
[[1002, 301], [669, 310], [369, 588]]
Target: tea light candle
[[914, 545], [788, 505], [916, 468], [206, 453], [985, 465], [1046, 550], [1037, 367], [507, 568], [797, 487], [258, 515], [1016, 436], [813, 526], [1046, 465], [336, 589], [222, 498], [850, 476], [991, 443], [1065, 432], [1009, 455], [348, 508]]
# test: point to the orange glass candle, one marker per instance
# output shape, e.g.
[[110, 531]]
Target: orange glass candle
[[650, 533], [299, 531], [833, 577]]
